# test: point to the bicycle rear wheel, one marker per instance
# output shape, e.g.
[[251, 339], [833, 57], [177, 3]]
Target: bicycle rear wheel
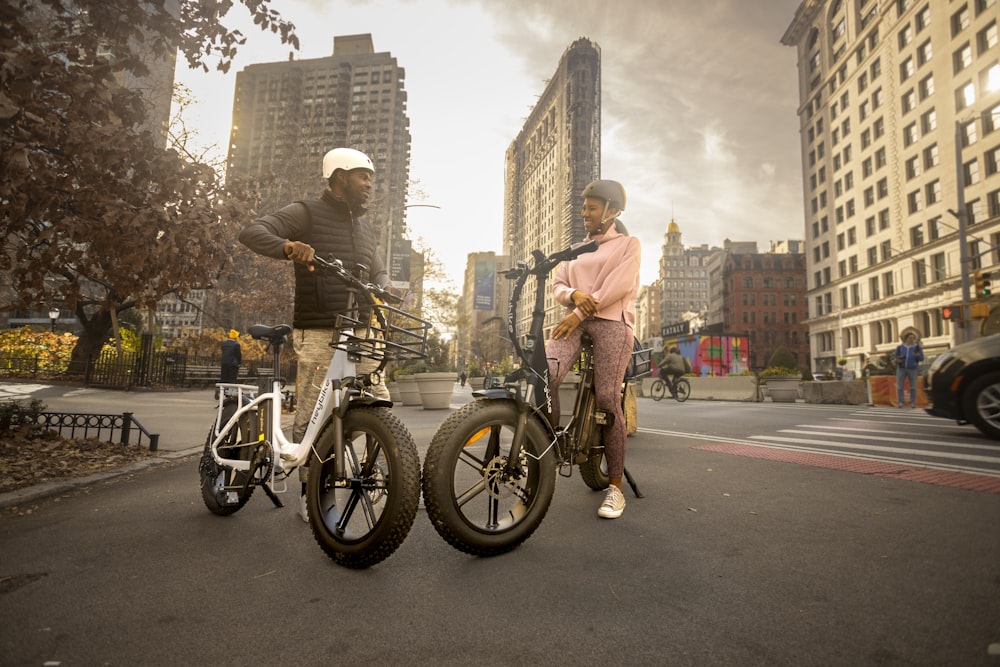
[[683, 388], [362, 520], [472, 500], [658, 389], [225, 491]]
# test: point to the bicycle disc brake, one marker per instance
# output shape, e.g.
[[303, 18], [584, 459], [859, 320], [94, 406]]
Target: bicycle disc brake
[[498, 483]]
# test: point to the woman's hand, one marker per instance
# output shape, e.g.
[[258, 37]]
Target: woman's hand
[[585, 302], [566, 327]]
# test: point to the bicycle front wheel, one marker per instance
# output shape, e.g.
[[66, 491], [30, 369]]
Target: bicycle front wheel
[[473, 500], [658, 389], [361, 520], [683, 388]]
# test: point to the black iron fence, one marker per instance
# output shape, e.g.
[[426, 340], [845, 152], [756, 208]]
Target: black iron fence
[[139, 369], [101, 427]]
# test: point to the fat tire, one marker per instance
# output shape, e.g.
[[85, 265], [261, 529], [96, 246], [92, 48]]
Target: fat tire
[[683, 389], [487, 524], [981, 404], [375, 513], [213, 477], [658, 389], [594, 470]]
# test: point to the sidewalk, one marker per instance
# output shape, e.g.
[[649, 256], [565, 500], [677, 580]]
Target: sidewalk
[[181, 418]]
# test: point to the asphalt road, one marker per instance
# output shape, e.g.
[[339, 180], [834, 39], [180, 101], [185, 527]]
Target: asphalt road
[[728, 560]]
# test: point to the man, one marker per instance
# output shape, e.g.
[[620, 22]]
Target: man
[[232, 357], [328, 226], [673, 368]]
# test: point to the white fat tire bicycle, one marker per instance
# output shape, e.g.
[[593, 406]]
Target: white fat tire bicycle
[[363, 482]]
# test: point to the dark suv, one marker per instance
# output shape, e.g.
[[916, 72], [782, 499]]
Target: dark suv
[[964, 384]]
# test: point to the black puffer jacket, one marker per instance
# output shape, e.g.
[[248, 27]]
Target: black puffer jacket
[[328, 225]]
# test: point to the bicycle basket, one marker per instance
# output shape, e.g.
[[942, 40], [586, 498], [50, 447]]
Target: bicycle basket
[[382, 332], [641, 362]]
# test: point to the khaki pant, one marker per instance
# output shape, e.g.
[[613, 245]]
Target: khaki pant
[[312, 346]]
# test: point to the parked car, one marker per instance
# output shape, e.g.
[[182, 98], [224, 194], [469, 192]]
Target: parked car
[[964, 384], [822, 376]]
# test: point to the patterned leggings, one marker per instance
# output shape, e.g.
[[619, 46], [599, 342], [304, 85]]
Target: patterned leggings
[[612, 352]]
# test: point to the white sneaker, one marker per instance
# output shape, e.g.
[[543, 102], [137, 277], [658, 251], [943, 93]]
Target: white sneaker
[[303, 510], [613, 505]]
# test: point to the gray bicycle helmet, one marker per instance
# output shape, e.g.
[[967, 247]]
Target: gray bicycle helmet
[[611, 192]]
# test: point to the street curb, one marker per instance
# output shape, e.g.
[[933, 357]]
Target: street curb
[[30, 494]]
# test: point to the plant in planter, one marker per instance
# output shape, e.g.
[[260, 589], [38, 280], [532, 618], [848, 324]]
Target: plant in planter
[[782, 376]]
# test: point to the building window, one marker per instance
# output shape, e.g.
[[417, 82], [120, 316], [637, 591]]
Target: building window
[[932, 192], [923, 18], [987, 37], [934, 226], [961, 58], [914, 202], [909, 101], [931, 157], [888, 286], [905, 36], [873, 291], [878, 127], [883, 188], [925, 53], [992, 160], [928, 121], [971, 171], [872, 256], [926, 87], [906, 69], [960, 20], [912, 167], [919, 273], [938, 269], [910, 135], [916, 236]]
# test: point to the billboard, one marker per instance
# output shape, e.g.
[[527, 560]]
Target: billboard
[[484, 276], [399, 264]]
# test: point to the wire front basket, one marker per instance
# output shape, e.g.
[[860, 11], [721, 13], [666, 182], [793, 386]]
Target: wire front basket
[[641, 362], [382, 332]]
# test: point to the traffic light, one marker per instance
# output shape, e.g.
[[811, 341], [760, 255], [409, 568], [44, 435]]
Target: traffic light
[[982, 283], [953, 313]]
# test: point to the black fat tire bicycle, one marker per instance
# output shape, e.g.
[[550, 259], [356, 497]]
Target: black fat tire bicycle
[[660, 388], [490, 471]]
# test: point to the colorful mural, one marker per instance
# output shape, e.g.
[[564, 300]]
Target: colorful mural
[[711, 356]]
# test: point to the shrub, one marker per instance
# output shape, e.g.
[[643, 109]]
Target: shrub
[[782, 362]]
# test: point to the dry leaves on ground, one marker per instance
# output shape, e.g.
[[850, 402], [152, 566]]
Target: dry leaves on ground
[[34, 455]]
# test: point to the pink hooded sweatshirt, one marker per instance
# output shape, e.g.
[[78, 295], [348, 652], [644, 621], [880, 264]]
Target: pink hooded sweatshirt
[[610, 275]]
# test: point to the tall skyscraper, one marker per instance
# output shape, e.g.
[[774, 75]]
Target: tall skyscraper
[[286, 115], [898, 111], [556, 154]]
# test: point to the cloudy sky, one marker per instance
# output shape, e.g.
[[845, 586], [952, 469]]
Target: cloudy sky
[[698, 110]]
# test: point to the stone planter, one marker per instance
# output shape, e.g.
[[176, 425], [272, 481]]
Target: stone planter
[[841, 392], [408, 390], [783, 389], [476, 383], [395, 395], [435, 389]]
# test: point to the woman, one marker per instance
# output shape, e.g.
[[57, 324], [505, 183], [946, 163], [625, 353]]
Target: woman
[[598, 290]]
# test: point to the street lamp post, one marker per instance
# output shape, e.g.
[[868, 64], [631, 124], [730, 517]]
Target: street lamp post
[[53, 316], [963, 244]]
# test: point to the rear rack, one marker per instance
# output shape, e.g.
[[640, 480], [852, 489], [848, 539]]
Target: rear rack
[[382, 332]]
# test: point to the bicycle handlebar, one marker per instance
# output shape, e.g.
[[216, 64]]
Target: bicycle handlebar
[[544, 265], [337, 268]]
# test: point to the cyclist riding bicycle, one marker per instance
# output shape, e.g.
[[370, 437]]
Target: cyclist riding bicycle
[[673, 368]]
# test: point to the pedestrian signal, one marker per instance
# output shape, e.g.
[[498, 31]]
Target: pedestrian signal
[[951, 312], [982, 279]]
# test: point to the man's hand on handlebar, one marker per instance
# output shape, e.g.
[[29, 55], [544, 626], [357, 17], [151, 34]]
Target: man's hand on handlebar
[[300, 252]]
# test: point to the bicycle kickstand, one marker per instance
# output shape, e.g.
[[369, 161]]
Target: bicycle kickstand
[[631, 482], [277, 501]]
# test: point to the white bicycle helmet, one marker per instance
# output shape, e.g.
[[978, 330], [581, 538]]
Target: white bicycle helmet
[[346, 159]]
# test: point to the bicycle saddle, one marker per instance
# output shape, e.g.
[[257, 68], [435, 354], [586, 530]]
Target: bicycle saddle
[[269, 333]]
